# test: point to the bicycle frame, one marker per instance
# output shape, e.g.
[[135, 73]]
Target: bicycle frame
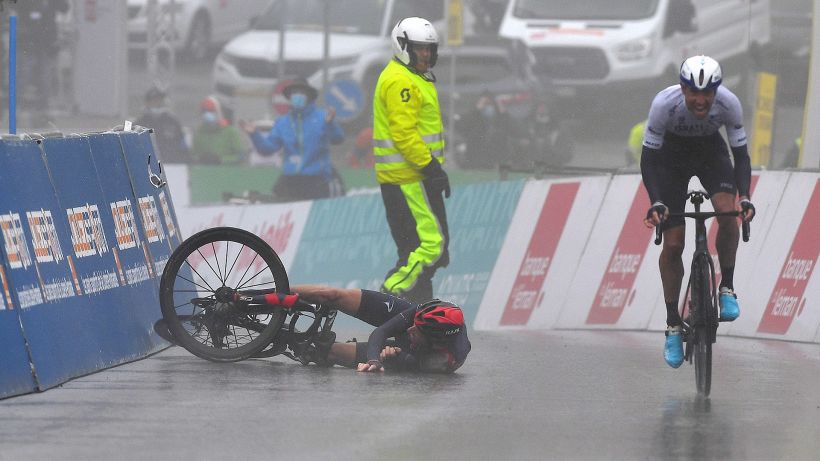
[[700, 326], [289, 336]]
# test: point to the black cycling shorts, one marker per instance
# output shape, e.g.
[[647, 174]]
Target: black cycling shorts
[[705, 157], [377, 308]]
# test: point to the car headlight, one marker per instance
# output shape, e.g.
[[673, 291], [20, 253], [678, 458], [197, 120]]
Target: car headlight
[[635, 49]]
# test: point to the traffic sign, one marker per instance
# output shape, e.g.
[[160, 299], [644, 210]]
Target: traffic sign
[[346, 97]]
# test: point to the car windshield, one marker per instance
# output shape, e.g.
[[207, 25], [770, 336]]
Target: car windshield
[[585, 9], [348, 17], [472, 69]]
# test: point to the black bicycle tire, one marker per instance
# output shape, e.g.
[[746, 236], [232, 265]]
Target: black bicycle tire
[[701, 303], [169, 277]]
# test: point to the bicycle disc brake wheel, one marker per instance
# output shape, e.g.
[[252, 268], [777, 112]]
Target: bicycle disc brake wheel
[[701, 304], [196, 294]]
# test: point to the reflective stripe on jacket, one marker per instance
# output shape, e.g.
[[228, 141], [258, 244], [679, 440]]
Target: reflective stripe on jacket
[[407, 126]]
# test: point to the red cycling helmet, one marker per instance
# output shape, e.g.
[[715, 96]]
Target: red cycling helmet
[[439, 320]]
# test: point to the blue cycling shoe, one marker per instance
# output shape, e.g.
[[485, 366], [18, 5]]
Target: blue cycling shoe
[[673, 350], [729, 310]]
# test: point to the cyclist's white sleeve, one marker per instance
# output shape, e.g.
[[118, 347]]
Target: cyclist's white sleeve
[[668, 114]]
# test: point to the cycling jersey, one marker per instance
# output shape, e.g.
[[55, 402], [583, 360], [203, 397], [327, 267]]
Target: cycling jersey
[[677, 145], [393, 316], [668, 114]]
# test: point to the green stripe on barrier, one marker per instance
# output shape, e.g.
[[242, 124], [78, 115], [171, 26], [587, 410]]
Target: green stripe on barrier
[[209, 182], [346, 242]]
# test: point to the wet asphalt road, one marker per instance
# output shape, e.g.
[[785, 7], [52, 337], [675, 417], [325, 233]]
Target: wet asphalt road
[[537, 395]]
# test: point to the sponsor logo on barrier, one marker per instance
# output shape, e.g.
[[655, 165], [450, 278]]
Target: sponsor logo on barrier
[[44, 237], [787, 300], [278, 235], [524, 297], [30, 295], [150, 219], [125, 226], [619, 279], [87, 234], [6, 295], [14, 238], [166, 213]]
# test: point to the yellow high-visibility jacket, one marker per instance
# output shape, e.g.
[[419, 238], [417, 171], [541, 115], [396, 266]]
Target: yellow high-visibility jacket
[[407, 126]]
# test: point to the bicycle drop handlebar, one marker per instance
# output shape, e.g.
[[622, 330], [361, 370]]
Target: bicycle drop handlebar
[[703, 215]]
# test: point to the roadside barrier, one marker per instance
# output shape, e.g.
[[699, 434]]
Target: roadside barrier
[[85, 237], [87, 232], [566, 253]]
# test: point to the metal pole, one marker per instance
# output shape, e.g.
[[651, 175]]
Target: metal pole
[[12, 74], [326, 53], [280, 68]]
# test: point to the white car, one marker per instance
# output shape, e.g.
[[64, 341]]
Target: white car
[[200, 24], [246, 71]]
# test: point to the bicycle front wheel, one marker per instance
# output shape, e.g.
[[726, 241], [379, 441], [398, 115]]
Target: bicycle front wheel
[[196, 294], [704, 322]]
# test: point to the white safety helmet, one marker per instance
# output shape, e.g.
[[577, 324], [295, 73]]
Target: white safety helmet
[[413, 31], [701, 73]]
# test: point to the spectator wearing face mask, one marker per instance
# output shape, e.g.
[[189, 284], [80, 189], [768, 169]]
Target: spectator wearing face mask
[[168, 130], [487, 131], [304, 135], [216, 141]]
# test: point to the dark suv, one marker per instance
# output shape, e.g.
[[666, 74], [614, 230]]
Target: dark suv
[[500, 70]]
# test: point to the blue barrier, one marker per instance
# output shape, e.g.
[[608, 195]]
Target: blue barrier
[[85, 236]]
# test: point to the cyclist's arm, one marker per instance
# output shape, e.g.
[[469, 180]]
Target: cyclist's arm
[[650, 172], [743, 170], [391, 328]]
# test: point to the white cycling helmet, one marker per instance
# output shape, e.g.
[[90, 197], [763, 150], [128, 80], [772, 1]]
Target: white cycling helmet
[[412, 31], [700, 73]]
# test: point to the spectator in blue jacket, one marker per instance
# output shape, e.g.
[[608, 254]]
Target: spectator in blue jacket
[[305, 134]]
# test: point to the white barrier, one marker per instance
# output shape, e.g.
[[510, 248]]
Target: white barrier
[[280, 225], [615, 282], [547, 234]]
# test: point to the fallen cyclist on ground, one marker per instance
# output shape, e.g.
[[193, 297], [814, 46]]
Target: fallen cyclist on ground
[[428, 337]]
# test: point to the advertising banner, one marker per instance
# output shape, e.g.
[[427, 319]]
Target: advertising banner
[[536, 264], [15, 370], [37, 245], [791, 310], [346, 242], [280, 225], [117, 298], [154, 206], [604, 291]]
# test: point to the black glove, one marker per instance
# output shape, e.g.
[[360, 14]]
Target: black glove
[[657, 207], [437, 176], [745, 206]]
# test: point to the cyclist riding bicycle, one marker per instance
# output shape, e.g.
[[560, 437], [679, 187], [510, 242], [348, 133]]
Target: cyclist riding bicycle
[[681, 140], [428, 337]]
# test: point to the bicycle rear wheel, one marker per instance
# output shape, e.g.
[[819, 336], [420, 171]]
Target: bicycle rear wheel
[[704, 322], [196, 294]]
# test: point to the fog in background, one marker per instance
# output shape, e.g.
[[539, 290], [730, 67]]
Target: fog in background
[[594, 135]]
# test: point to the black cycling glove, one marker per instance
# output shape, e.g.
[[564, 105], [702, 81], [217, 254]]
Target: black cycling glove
[[745, 206], [657, 207], [437, 176]]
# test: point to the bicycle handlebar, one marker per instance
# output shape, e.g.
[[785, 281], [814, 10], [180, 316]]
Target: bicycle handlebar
[[746, 230]]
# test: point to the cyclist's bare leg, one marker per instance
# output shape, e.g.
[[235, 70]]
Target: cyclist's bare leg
[[343, 354], [728, 235], [671, 267], [346, 300]]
